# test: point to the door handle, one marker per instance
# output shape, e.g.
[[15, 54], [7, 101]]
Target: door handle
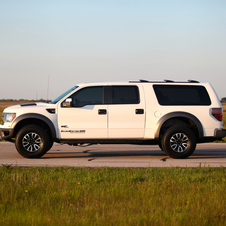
[[102, 111], [139, 111]]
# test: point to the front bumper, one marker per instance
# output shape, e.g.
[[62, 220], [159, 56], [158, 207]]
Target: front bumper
[[6, 134], [220, 133]]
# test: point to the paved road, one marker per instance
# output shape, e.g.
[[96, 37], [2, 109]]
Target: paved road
[[211, 154]]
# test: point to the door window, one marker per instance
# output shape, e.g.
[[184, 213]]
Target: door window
[[125, 95], [87, 96]]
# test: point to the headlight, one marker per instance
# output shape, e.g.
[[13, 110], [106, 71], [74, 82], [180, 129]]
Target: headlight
[[8, 117]]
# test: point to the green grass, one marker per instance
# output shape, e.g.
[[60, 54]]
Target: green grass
[[224, 119], [2, 107], [112, 196]]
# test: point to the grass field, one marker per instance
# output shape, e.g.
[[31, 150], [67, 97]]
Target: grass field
[[4, 105], [112, 196], [224, 118]]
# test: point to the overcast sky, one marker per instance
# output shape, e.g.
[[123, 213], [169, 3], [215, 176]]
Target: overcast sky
[[74, 41]]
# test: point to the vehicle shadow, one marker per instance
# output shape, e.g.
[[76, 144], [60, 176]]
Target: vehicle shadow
[[208, 154], [95, 153], [198, 154]]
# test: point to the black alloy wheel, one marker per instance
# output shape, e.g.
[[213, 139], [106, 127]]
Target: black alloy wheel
[[179, 142], [32, 141]]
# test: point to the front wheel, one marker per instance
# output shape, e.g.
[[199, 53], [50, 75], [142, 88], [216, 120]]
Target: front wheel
[[179, 142], [32, 141]]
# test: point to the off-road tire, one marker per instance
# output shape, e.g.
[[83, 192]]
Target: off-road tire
[[32, 141], [179, 142]]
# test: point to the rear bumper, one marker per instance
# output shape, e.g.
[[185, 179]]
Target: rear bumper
[[220, 133]]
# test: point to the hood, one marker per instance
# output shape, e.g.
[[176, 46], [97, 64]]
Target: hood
[[29, 107]]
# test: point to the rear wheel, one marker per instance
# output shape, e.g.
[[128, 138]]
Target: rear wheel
[[179, 142], [32, 141]]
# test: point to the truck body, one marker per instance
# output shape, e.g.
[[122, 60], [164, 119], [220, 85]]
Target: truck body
[[174, 115]]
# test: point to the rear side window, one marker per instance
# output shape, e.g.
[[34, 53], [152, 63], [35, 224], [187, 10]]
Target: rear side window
[[182, 95], [125, 95]]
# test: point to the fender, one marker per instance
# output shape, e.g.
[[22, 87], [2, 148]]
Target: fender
[[176, 115], [35, 116]]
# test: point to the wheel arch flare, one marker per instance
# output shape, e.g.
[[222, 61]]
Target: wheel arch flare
[[178, 118]]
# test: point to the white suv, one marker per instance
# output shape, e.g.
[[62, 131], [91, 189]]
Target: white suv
[[174, 115]]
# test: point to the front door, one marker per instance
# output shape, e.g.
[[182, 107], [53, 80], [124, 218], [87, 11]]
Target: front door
[[86, 117]]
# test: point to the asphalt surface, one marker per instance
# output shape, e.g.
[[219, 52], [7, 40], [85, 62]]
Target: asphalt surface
[[206, 155]]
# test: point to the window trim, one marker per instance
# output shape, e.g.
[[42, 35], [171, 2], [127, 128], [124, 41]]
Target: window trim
[[107, 95]]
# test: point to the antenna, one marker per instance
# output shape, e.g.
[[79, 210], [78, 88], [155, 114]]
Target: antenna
[[47, 90]]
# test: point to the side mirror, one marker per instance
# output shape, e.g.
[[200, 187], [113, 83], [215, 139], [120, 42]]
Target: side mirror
[[67, 102]]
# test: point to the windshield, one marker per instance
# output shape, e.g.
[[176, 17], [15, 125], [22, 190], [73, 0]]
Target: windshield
[[63, 95]]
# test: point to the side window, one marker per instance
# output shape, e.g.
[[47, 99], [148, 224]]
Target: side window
[[182, 95], [87, 96], [125, 95]]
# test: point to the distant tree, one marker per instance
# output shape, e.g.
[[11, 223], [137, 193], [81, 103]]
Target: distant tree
[[23, 100], [223, 99]]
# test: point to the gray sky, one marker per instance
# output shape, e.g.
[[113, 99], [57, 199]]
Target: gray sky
[[74, 41]]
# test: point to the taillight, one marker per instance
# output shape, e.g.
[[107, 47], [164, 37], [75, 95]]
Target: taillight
[[217, 113]]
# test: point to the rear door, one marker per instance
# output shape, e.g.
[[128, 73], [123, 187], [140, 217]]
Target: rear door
[[126, 112]]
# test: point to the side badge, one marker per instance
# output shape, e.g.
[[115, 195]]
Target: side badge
[[73, 131]]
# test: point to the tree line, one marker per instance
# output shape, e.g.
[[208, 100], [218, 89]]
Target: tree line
[[23, 100], [42, 100], [223, 99]]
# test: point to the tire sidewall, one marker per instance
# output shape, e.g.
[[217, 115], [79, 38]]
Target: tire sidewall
[[45, 142], [166, 142]]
